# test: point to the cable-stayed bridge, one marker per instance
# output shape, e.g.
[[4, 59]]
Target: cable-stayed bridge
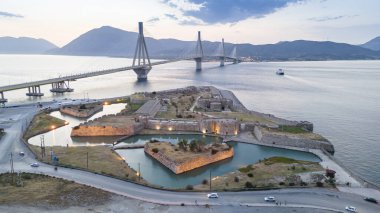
[[141, 66]]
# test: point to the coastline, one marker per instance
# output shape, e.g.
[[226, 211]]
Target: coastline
[[329, 162]]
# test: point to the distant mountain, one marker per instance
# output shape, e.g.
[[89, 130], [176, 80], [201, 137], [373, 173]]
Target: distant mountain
[[109, 41], [374, 44], [24, 45]]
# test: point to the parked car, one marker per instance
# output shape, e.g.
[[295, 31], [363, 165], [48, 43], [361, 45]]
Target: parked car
[[22, 154], [34, 165], [370, 199], [212, 195], [270, 199], [351, 209]]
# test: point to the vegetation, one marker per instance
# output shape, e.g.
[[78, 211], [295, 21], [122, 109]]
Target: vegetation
[[189, 187], [271, 172], [43, 123], [292, 129], [76, 157], [240, 116], [39, 189], [179, 107]]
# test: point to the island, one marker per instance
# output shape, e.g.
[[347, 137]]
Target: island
[[185, 156]]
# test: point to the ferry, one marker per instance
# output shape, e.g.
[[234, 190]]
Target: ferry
[[280, 72]]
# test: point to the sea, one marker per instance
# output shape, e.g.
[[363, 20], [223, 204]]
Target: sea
[[341, 98]]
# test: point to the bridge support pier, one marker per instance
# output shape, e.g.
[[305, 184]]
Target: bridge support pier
[[198, 62], [2, 99], [222, 59], [34, 91], [61, 87], [142, 73]]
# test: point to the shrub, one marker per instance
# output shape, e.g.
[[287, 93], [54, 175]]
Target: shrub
[[281, 183], [293, 167], [303, 183], [236, 179], [182, 204], [214, 151], [155, 150], [205, 182], [207, 205], [27, 176], [189, 187], [248, 184], [319, 184], [250, 175], [179, 116], [292, 184]]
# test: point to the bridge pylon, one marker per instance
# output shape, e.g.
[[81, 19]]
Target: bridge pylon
[[222, 57], [198, 53], [141, 59], [234, 55]]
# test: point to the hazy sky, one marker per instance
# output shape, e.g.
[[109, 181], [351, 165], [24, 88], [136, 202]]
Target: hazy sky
[[238, 21]]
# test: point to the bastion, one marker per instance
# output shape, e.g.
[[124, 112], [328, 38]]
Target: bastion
[[83, 110], [181, 159]]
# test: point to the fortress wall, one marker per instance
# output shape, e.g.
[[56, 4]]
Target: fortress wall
[[283, 140], [85, 130], [192, 163]]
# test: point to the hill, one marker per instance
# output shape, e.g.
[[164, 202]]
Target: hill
[[24, 45], [374, 44]]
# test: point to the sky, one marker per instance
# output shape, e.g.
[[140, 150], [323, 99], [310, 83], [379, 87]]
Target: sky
[[237, 21]]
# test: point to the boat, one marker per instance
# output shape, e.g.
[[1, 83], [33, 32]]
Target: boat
[[280, 72]]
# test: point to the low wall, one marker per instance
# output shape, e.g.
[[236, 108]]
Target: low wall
[[193, 163], [284, 140], [84, 113], [106, 130]]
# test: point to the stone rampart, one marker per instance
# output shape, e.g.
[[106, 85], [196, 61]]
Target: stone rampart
[[190, 164], [88, 130], [291, 140]]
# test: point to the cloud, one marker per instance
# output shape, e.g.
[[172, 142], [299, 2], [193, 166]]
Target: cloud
[[153, 20], [10, 15], [329, 18], [171, 16], [227, 11]]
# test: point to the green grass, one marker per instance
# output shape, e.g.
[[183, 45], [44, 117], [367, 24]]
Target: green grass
[[292, 129], [246, 169], [274, 160], [134, 107]]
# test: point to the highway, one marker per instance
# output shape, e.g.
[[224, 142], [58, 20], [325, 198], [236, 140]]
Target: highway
[[14, 120]]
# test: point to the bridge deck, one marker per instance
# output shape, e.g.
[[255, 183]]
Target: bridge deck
[[83, 75]]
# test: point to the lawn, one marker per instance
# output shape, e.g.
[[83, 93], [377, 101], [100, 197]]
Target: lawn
[[268, 173], [42, 123], [101, 160], [41, 190], [240, 116]]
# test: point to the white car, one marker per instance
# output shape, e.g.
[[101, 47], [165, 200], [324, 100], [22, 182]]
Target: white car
[[212, 195], [351, 209], [34, 165], [270, 199]]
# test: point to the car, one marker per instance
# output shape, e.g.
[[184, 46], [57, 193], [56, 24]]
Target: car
[[351, 209], [22, 154], [270, 199], [212, 195], [34, 165], [370, 199]]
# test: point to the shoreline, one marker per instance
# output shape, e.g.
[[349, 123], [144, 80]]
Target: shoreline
[[318, 153]]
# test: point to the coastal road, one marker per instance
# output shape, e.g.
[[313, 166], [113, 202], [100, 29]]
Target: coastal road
[[309, 198]]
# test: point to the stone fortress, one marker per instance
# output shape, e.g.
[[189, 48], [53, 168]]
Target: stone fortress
[[203, 110]]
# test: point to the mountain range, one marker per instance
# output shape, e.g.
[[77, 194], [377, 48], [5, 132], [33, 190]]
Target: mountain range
[[24, 45], [109, 41]]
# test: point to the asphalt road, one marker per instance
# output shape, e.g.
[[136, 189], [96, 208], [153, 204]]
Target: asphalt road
[[13, 120]]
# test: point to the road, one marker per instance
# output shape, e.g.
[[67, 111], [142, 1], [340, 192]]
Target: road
[[311, 198]]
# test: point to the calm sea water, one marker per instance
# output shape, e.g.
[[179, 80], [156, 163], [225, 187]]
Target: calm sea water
[[341, 98]]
